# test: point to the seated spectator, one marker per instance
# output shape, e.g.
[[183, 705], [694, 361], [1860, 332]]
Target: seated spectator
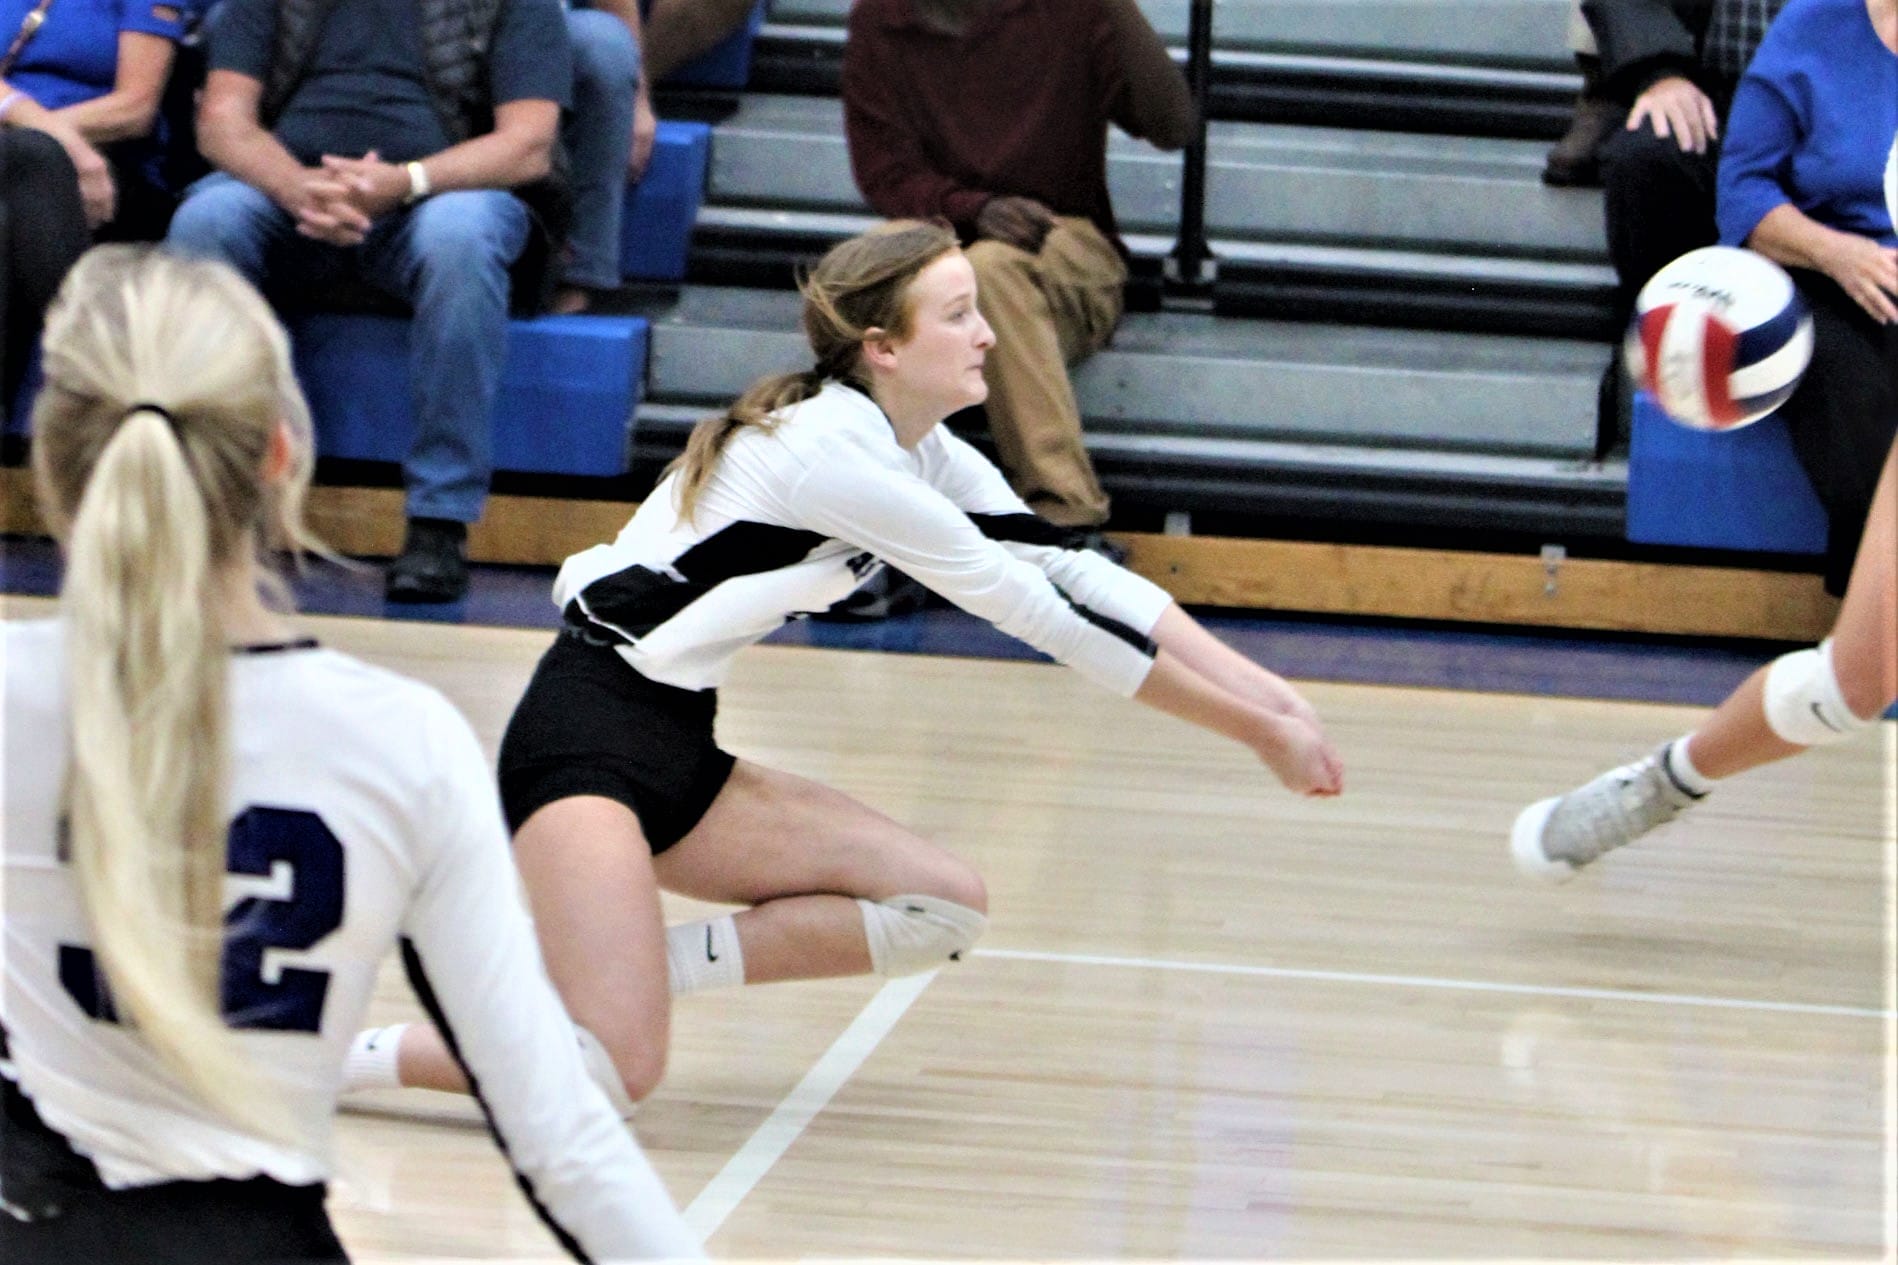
[[1576, 158], [92, 74], [608, 135], [679, 31], [81, 146], [1675, 64], [1802, 182], [344, 150], [994, 118]]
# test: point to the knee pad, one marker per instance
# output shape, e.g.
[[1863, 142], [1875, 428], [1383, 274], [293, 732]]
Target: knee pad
[[601, 1072], [1803, 702], [908, 934]]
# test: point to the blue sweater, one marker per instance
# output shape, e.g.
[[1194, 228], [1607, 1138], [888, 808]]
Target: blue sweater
[[1812, 124], [74, 57]]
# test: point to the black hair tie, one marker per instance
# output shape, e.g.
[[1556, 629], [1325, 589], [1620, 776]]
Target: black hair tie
[[146, 406]]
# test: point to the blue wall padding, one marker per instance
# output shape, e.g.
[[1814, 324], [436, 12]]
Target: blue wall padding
[[1738, 489], [565, 405]]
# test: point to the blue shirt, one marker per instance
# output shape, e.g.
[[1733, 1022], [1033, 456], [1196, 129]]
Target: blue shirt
[[1812, 124], [74, 56], [366, 86]]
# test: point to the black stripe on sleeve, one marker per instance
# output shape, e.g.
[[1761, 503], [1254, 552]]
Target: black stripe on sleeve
[[634, 601], [1126, 632], [425, 993], [1025, 529]]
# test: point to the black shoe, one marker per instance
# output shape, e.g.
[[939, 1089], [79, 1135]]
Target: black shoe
[[434, 564]]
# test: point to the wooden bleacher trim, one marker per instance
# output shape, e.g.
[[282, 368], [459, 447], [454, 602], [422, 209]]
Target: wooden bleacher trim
[[1328, 579]]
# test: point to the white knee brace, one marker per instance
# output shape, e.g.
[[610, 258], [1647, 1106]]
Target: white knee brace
[[1803, 702], [909, 934], [600, 1069]]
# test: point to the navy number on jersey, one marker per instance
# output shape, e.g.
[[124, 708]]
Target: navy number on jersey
[[290, 999]]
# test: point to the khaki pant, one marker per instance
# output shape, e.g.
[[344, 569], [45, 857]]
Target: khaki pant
[[1049, 311]]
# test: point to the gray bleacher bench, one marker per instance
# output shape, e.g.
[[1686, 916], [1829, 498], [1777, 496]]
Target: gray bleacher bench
[[1441, 232], [1478, 67]]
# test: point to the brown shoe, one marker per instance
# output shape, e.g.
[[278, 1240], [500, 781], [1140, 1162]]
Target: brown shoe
[[1575, 159]]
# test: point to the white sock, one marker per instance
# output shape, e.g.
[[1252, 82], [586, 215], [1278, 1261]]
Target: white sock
[[371, 1062], [1681, 768], [702, 955]]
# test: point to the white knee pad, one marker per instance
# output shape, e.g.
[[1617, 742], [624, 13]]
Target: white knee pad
[[600, 1070], [909, 934], [1803, 702]]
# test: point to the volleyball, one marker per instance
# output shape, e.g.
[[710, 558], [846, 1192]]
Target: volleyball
[[1720, 338]]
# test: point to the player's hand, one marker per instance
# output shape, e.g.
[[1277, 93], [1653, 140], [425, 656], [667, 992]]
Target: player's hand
[[98, 195], [320, 204], [1021, 222], [1675, 107], [1300, 756], [1866, 271], [372, 186]]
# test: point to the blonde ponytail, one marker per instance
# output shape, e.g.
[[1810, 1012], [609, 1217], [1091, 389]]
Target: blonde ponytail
[[166, 382], [859, 286]]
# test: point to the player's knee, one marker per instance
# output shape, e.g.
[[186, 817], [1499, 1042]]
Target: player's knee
[[909, 934], [1803, 702], [627, 1077]]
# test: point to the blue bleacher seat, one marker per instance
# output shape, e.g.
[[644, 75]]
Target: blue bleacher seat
[[1741, 489], [565, 406], [656, 226], [727, 64]]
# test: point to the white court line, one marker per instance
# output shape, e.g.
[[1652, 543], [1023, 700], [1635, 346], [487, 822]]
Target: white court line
[[781, 1128], [1428, 981]]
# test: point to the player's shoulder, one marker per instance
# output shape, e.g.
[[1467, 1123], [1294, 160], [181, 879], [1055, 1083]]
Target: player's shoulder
[[319, 680]]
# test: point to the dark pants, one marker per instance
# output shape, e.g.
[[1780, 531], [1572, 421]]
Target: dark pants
[[1844, 414], [42, 231], [1657, 200], [258, 1222], [59, 1213]]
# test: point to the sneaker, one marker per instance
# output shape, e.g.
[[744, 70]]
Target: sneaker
[[1554, 838], [433, 566]]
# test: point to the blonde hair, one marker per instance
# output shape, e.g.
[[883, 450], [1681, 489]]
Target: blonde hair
[[166, 382], [859, 285]]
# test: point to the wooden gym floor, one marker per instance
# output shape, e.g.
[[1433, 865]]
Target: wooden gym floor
[[1211, 1021]]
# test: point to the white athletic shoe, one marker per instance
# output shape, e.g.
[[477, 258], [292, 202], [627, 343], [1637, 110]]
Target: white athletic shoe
[[1553, 838]]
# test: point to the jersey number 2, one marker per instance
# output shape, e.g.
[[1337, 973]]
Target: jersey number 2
[[293, 1001]]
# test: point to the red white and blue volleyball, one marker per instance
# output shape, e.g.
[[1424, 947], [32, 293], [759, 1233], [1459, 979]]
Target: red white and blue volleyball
[[1720, 338]]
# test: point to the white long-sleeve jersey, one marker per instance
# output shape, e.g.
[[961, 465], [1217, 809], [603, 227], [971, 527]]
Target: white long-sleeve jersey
[[362, 812], [797, 515]]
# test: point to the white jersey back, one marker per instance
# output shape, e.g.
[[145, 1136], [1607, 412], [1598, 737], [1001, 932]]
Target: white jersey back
[[362, 811], [795, 516]]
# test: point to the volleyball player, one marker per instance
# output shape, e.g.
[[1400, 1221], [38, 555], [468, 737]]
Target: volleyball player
[[1808, 698], [610, 773], [216, 830]]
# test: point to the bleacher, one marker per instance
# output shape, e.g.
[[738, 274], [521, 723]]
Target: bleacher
[[1397, 341]]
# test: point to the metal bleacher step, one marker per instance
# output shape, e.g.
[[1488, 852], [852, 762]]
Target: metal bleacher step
[[1320, 223], [1477, 67], [1189, 411]]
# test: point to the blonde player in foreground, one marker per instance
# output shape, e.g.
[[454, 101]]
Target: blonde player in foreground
[[1808, 698], [215, 831]]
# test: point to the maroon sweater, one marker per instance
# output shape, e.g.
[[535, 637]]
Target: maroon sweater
[[1017, 105]]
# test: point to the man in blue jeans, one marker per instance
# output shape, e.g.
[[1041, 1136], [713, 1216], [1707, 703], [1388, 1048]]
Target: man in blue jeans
[[372, 139]]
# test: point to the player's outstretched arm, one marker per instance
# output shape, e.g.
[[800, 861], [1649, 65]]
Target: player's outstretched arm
[[1296, 750], [1219, 663]]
